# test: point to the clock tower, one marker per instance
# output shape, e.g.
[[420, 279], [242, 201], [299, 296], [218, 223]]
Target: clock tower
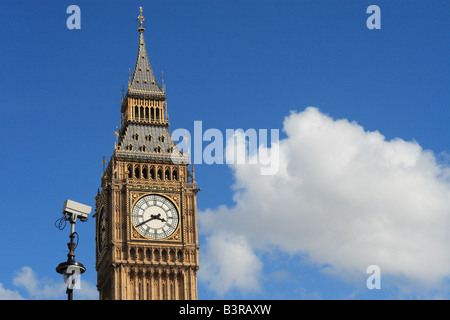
[[146, 210]]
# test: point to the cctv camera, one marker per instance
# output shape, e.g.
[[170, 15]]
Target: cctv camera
[[75, 209]]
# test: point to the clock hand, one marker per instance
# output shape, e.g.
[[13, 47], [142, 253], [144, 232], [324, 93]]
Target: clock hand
[[140, 224], [158, 216], [151, 218]]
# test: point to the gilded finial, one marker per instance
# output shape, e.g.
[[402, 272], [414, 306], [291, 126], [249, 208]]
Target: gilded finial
[[116, 133], [104, 163], [141, 20]]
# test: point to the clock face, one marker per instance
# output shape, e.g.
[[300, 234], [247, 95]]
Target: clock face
[[101, 230], [155, 217]]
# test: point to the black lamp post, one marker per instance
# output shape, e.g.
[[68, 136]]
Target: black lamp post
[[71, 269]]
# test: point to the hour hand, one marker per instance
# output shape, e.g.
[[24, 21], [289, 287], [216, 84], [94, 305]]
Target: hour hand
[[158, 216]]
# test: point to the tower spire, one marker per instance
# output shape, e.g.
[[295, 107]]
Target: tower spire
[[143, 81]]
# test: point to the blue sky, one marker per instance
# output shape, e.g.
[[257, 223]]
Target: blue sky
[[237, 64]]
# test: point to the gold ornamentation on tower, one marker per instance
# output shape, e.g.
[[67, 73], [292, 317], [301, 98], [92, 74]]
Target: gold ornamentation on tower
[[146, 213]]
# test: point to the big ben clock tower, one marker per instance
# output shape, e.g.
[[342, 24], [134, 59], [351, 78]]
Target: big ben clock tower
[[146, 211]]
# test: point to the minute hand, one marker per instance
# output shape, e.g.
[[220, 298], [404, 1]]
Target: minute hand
[[151, 218], [158, 216]]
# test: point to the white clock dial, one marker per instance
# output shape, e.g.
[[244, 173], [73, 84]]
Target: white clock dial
[[155, 217]]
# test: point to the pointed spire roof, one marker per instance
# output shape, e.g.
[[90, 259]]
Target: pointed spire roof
[[143, 81]]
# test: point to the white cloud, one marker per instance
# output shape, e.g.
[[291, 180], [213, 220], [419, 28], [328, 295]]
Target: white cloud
[[228, 262], [6, 294], [42, 288], [27, 279], [347, 198]]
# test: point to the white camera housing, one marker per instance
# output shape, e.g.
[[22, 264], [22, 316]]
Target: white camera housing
[[76, 210]]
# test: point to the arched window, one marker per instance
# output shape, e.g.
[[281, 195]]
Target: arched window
[[179, 256], [163, 291], [157, 114], [160, 174], [142, 113], [130, 171], [137, 172], [145, 172], [132, 253], [167, 175], [164, 255], [136, 113], [175, 174], [152, 173], [152, 113]]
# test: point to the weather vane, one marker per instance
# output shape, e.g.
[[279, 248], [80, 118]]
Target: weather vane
[[141, 18]]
